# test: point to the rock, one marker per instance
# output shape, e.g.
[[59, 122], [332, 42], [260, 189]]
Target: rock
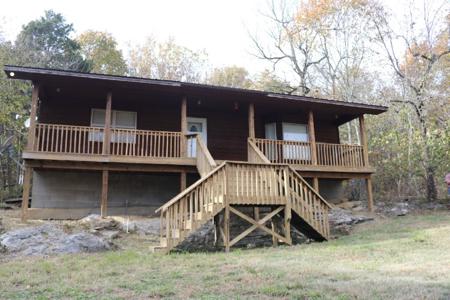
[[338, 216], [400, 209], [110, 234], [349, 204], [203, 239], [147, 226], [96, 222], [342, 221], [49, 239]]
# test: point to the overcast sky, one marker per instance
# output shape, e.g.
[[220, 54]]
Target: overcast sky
[[220, 27]]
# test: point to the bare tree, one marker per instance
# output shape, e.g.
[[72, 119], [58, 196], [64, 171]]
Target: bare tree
[[293, 39], [426, 43]]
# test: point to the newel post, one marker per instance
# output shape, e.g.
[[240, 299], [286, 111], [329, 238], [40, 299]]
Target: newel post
[[362, 134], [312, 137], [33, 114], [183, 127], [107, 128]]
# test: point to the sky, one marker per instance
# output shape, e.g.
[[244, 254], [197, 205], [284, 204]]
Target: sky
[[221, 28]]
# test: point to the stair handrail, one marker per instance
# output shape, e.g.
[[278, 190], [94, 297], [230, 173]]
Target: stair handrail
[[205, 161], [253, 148], [189, 189], [309, 186]]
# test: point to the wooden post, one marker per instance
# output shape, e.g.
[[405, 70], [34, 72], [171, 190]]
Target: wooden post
[[369, 193], [184, 126], [227, 228], [256, 213], [251, 121], [316, 184], [104, 198], [312, 137], [362, 134], [28, 173], [182, 181], [287, 222], [107, 128], [274, 238], [33, 114]]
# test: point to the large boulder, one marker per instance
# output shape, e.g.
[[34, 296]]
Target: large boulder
[[342, 221], [50, 239]]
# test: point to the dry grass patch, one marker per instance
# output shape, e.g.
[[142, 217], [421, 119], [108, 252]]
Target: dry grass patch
[[401, 258]]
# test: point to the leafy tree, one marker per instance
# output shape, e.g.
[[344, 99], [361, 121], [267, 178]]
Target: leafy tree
[[167, 60], [46, 42], [100, 48], [14, 110], [233, 76]]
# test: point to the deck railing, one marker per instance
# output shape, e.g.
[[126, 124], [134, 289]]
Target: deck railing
[[69, 139], [300, 153], [340, 155]]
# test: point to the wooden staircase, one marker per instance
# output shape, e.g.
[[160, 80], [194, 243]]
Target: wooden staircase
[[232, 185]]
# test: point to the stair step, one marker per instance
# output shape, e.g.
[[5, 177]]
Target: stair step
[[158, 249]]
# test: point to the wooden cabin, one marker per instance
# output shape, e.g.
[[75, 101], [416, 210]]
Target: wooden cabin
[[124, 145]]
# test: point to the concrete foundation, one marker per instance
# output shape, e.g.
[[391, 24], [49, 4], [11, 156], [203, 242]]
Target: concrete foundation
[[81, 190]]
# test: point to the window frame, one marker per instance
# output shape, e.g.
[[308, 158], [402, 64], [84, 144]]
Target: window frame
[[113, 119]]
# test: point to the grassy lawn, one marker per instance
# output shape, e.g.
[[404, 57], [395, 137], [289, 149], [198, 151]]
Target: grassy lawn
[[402, 258]]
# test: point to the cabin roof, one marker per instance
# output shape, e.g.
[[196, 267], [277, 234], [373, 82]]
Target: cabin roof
[[52, 76]]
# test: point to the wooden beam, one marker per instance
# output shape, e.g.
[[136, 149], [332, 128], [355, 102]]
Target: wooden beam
[[28, 173], [104, 197], [119, 167], [226, 225], [251, 120], [184, 126], [316, 184], [107, 128], [369, 193], [287, 222], [312, 137], [182, 181], [33, 114], [257, 224], [363, 137]]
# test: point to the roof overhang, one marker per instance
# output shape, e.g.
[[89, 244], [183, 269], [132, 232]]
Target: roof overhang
[[47, 76]]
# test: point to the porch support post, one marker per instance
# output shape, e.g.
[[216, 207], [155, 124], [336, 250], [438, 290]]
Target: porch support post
[[251, 121], [182, 181], [227, 228], [184, 126], [107, 129], [369, 193], [362, 134], [104, 197], [312, 137], [28, 173], [316, 184], [33, 114]]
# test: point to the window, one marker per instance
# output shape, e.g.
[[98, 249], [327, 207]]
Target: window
[[296, 133], [119, 119]]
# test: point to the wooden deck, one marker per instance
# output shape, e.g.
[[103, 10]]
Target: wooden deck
[[83, 143]]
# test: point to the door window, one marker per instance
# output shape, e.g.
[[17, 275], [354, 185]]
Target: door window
[[196, 125]]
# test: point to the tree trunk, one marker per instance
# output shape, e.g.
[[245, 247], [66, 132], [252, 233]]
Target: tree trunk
[[429, 168]]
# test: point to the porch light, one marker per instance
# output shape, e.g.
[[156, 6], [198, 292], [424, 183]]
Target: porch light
[[12, 74]]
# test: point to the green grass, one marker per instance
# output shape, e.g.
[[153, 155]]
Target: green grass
[[401, 258]]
